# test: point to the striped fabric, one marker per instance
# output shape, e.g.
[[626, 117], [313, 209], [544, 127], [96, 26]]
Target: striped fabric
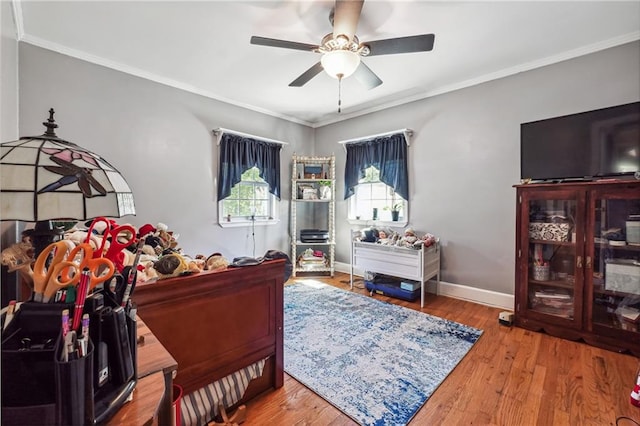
[[201, 406]]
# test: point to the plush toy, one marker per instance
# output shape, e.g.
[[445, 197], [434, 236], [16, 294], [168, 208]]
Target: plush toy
[[158, 239], [149, 272], [428, 240], [216, 262], [145, 230], [408, 239], [174, 265], [169, 240], [78, 237], [19, 257]]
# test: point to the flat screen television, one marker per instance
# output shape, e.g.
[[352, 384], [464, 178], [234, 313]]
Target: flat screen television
[[589, 145]]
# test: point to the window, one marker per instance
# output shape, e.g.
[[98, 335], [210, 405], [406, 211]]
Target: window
[[249, 200], [370, 194], [248, 180], [376, 179]]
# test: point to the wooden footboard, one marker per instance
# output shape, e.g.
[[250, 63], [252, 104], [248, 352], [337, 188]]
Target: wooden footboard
[[215, 323]]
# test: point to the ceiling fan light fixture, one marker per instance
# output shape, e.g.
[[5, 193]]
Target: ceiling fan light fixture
[[340, 63]]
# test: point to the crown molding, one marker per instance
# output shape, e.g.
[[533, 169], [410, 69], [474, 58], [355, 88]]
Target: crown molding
[[527, 66], [585, 50], [98, 60], [16, 6]]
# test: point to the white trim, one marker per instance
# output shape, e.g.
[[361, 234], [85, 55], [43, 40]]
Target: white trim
[[581, 51], [379, 223], [477, 295], [220, 131], [407, 135], [457, 291], [18, 19], [248, 223], [55, 47]]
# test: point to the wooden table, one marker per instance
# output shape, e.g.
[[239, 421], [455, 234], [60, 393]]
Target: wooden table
[[152, 397]]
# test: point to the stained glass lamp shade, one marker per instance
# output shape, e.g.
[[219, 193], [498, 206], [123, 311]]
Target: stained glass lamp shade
[[47, 178]]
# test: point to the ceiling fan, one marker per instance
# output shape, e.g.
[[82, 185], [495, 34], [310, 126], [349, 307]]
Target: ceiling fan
[[342, 50]]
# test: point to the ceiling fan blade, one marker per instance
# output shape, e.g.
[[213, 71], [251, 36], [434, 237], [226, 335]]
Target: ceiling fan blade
[[390, 46], [346, 17], [366, 77], [307, 75], [272, 42]]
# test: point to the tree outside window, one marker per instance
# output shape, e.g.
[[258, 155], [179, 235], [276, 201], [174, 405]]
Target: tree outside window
[[373, 197], [249, 200]]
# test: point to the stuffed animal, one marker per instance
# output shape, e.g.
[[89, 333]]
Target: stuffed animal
[[216, 262], [174, 265], [169, 240], [428, 240], [19, 257], [408, 239]]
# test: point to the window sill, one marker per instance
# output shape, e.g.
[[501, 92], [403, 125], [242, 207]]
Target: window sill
[[379, 223], [239, 223]]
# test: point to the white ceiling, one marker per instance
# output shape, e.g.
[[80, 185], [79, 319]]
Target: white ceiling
[[203, 46]]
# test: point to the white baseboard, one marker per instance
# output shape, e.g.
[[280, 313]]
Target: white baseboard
[[457, 291]]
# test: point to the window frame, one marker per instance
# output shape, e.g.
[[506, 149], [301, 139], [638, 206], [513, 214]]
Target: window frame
[[273, 207], [248, 220], [372, 178]]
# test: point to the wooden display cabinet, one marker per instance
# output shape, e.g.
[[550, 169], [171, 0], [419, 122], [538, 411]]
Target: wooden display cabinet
[[578, 262]]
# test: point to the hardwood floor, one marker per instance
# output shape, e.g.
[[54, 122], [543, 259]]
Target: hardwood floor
[[511, 376]]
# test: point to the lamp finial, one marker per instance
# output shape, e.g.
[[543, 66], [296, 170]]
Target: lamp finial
[[50, 124]]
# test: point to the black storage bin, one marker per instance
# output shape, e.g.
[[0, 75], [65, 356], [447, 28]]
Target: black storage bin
[[28, 375]]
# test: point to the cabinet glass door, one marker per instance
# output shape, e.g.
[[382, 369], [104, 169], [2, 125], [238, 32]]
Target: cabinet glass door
[[553, 272], [613, 264]]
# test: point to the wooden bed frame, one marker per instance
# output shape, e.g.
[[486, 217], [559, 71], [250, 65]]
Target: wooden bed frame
[[215, 323]]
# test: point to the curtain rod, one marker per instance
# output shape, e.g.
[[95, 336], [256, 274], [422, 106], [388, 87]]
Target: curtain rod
[[220, 130], [407, 132]]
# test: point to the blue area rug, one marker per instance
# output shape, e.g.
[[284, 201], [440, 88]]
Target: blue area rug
[[376, 362]]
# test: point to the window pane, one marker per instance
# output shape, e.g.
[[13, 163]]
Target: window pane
[[245, 191], [379, 191], [250, 197], [371, 175], [261, 192], [230, 207], [370, 193], [246, 208], [262, 208], [251, 175]]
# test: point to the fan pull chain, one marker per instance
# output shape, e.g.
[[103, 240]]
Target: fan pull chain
[[340, 93]]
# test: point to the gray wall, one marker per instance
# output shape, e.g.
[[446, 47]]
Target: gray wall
[[8, 74], [465, 156], [160, 139], [8, 97]]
